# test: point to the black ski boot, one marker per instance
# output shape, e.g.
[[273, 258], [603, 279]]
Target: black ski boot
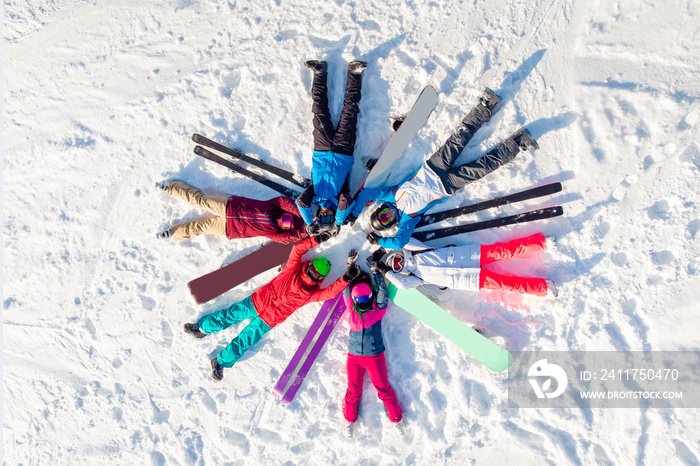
[[490, 100], [357, 66], [217, 370], [524, 139], [317, 66], [164, 234], [396, 122], [194, 330]]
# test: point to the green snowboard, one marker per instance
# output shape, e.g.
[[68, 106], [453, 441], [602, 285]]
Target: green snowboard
[[420, 306]]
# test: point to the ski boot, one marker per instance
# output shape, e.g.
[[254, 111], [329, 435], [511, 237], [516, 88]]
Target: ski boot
[[396, 122], [490, 100], [217, 370], [400, 427], [194, 330], [551, 243], [163, 185], [552, 291], [357, 66], [524, 139], [165, 234], [348, 428], [317, 66]]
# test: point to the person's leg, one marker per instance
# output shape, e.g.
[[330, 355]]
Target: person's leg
[[500, 251], [443, 159], [376, 368], [344, 198], [458, 177], [249, 336], [212, 204], [228, 316], [205, 226], [323, 126], [344, 140], [356, 377], [526, 285]]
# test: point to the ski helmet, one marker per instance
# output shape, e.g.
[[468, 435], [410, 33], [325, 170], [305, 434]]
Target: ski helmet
[[385, 216], [286, 221], [322, 266], [395, 261], [362, 296]]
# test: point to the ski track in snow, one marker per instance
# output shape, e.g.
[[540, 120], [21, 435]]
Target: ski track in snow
[[101, 99]]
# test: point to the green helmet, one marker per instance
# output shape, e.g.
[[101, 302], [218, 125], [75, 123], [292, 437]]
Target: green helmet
[[322, 265]]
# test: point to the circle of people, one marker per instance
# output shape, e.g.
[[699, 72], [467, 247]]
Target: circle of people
[[325, 206]]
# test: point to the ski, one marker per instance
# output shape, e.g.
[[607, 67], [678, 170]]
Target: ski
[[532, 193], [281, 172], [321, 317], [531, 216], [338, 310], [205, 153], [415, 120], [430, 313], [218, 282]]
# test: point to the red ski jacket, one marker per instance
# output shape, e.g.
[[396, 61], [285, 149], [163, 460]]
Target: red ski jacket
[[292, 288], [248, 218]]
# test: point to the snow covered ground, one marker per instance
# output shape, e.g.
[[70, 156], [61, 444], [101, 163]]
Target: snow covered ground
[[101, 98]]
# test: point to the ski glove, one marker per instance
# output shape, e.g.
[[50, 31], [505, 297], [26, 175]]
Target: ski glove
[[373, 238], [352, 273], [352, 257], [350, 220], [322, 237], [372, 264], [313, 229]]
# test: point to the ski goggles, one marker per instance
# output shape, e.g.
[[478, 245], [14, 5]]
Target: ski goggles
[[397, 263], [361, 299], [313, 273], [386, 216], [287, 221]]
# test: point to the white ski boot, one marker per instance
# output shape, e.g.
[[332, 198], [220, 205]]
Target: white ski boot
[[552, 291]]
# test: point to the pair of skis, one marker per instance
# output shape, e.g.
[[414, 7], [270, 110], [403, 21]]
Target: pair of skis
[[310, 347]]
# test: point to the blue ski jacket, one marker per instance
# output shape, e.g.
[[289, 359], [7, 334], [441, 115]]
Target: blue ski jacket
[[328, 174], [406, 223]]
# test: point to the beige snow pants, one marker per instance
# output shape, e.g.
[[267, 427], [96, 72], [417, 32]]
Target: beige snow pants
[[207, 226]]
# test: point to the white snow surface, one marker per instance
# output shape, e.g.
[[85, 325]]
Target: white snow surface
[[101, 98]]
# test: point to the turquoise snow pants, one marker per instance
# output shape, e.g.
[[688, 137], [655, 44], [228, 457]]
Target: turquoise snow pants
[[250, 335]]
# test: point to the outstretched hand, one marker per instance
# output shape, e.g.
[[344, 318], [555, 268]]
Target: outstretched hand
[[352, 257], [373, 238]]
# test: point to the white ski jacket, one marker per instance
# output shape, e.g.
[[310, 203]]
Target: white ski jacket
[[454, 267]]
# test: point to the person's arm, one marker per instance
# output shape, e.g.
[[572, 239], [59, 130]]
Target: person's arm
[[363, 197], [330, 291], [404, 282], [286, 204], [382, 300], [288, 236], [403, 235], [307, 214], [299, 249]]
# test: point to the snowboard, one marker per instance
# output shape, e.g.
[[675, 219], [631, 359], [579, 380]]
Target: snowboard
[[415, 120], [430, 313], [211, 285]]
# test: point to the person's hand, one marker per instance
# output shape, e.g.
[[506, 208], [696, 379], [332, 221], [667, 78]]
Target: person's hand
[[335, 229], [352, 273], [350, 220], [314, 228], [372, 264], [322, 237], [352, 257], [373, 238]]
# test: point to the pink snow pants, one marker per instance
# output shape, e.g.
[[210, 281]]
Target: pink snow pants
[[376, 367], [500, 251]]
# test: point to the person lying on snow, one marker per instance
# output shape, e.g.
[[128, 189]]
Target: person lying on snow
[[298, 284], [461, 267], [437, 177], [366, 308], [333, 151], [236, 217]]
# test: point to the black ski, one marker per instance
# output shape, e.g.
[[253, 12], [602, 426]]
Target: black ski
[[532, 193], [531, 216], [281, 172], [202, 152]]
